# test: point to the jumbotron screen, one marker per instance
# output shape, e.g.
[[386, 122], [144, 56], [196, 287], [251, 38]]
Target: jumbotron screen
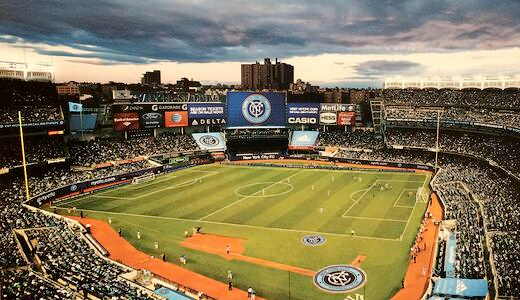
[[250, 109]]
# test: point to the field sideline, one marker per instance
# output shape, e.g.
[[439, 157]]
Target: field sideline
[[370, 213]]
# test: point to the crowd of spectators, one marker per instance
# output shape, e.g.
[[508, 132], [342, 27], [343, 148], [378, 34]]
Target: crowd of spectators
[[104, 150], [66, 256], [465, 184], [61, 176], [63, 254], [491, 98], [25, 284], [350, 139], [38, 149], [469, 115], [503, 150], [506, 255], [470, 236], [30, 115], [38, 101]]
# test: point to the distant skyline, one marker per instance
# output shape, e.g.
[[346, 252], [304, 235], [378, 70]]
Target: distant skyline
[[336, 43]]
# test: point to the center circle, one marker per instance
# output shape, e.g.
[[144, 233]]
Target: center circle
[[261, 189]]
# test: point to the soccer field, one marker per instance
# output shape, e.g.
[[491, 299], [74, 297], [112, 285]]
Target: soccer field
[[372, 214]]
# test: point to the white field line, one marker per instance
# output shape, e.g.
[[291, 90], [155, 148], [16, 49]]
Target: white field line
[[182, 184], [361, 197], [355, 193], [240, 200], [174, 186], [397, 200], [378, 219], [138, 186], [239, 225], [413, 209], [392, 180], [167, 177]]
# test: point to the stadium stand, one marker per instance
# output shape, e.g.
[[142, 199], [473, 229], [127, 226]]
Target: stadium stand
[[483, 197], [103, 150]]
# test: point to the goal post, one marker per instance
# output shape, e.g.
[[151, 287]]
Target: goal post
[[422, 195], [143, 178]]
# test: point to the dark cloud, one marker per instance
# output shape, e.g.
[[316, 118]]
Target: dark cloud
[[122, 31], [387, 67]]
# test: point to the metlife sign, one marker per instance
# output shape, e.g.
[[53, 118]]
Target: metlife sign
[[336, 107], [303, 113], [206, 114]]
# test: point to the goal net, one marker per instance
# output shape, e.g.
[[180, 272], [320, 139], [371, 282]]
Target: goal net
[[422, 195], [143, 178]]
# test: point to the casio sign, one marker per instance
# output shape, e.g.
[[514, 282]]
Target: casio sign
[[302, 120]]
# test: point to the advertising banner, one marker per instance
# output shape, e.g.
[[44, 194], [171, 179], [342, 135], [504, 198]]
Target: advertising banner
[[347, 118], [450, 258], [336, 107], [328, 118], [54, 123], [176, 118], [303, 140], [303, 113], [126, 121], [250, 109], [150, 107], [152, 120], [211, 141], [88, 186], [255, 156], [206, 114]]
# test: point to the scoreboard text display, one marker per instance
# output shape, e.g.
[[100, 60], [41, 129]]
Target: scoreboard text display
[[251, 109]]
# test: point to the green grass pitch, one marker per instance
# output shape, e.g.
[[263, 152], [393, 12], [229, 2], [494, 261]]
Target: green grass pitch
[[273, 208]]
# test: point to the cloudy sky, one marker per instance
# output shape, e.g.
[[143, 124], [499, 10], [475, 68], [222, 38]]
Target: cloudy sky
[[330, 43]]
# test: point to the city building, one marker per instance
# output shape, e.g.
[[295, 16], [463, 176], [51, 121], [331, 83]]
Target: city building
[[187, 85], [277, 76], [301, 86], [70, 88], [151, 78]]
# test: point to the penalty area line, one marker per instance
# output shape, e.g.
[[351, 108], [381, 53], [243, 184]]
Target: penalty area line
[[413, 209]]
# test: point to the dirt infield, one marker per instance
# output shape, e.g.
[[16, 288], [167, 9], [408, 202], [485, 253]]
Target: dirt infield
[[215, 244], [218, 245], [358, 260], [415, 283], [122, 251]]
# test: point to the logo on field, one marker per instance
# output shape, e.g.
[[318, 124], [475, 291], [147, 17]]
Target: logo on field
[[256, 109], [313, 240], [339, 278], [209, 141]]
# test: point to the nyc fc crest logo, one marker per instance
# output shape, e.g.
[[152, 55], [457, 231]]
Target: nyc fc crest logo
[[256, 109]]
